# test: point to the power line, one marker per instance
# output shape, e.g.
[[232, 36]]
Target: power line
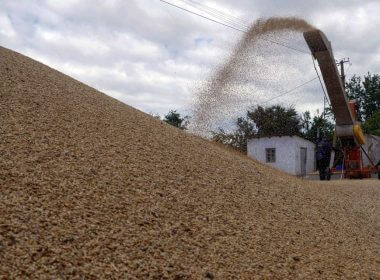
[[320, 82], [194, 13], [289, 91], [232, 27], [230, 21], [216, 13], [236, 21], [286, 46], [219, 12]]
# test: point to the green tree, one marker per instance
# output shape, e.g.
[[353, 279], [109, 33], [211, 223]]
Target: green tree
[[237, 139], [310, 127], [372, 125], [366, 92], [371, 104], [175, 119], [275, 121], [260, 122], [305, 121], [355, 90]]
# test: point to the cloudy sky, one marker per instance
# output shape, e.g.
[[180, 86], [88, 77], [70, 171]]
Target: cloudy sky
[[153, 56]]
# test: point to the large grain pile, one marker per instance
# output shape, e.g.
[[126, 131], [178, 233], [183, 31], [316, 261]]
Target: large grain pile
[[92, 188]]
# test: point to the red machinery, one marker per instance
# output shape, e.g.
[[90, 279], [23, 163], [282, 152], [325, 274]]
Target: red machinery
[[347, 129]]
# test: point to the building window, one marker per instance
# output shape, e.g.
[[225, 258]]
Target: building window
[[270, 154]]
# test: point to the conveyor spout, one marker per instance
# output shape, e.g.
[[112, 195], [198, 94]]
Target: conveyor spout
[[321, 50]]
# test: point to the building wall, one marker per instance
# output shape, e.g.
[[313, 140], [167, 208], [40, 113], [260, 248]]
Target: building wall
[[310, 159], [287, 152]]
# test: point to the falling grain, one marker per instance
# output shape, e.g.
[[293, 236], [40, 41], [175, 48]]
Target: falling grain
[[230, 89]]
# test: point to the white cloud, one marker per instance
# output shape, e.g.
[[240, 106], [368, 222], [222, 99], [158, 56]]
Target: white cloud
[[152, 56], [6, 28]]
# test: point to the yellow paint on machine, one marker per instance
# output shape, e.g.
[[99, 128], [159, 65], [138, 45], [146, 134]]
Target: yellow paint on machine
[[358, 133]]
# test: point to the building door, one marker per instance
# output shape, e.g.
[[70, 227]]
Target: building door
[[303, 158]]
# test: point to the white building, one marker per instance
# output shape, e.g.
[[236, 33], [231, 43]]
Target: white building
[[291, 154]]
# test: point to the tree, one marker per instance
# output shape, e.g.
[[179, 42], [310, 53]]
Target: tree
[[371, 104], [366, 92], [173, 118], [237, 139], [305, 122], [275, 121], [355, 90], [310, 127], [260, 122], [372, 125]]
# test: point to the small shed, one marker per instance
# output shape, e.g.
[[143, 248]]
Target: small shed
[[291, 154]]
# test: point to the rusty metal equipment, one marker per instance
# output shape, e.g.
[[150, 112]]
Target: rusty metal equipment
[[347, 128]]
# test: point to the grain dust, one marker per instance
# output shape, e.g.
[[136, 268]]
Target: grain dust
[[251, 73]]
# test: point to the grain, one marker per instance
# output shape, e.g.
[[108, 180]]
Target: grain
[[252, 73], [91, 188]]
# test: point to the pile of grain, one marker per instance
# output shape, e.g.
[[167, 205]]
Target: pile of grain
[[92, 188]]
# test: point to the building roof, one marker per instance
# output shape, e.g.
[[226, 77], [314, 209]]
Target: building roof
[[293, 136]]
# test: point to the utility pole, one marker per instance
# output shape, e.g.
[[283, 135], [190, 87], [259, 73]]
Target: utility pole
[[342, 76]]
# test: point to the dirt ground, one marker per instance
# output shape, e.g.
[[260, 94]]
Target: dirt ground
[[91, 188]]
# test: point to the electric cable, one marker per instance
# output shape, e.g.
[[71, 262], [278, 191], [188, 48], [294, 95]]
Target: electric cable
[[230, 24], [232, 27], [289, 91], [236, 21], [320, 82], [221, 16], [210, 19]]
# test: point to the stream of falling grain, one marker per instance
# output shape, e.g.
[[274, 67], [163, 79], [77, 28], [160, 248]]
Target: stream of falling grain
[[251, 60]]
